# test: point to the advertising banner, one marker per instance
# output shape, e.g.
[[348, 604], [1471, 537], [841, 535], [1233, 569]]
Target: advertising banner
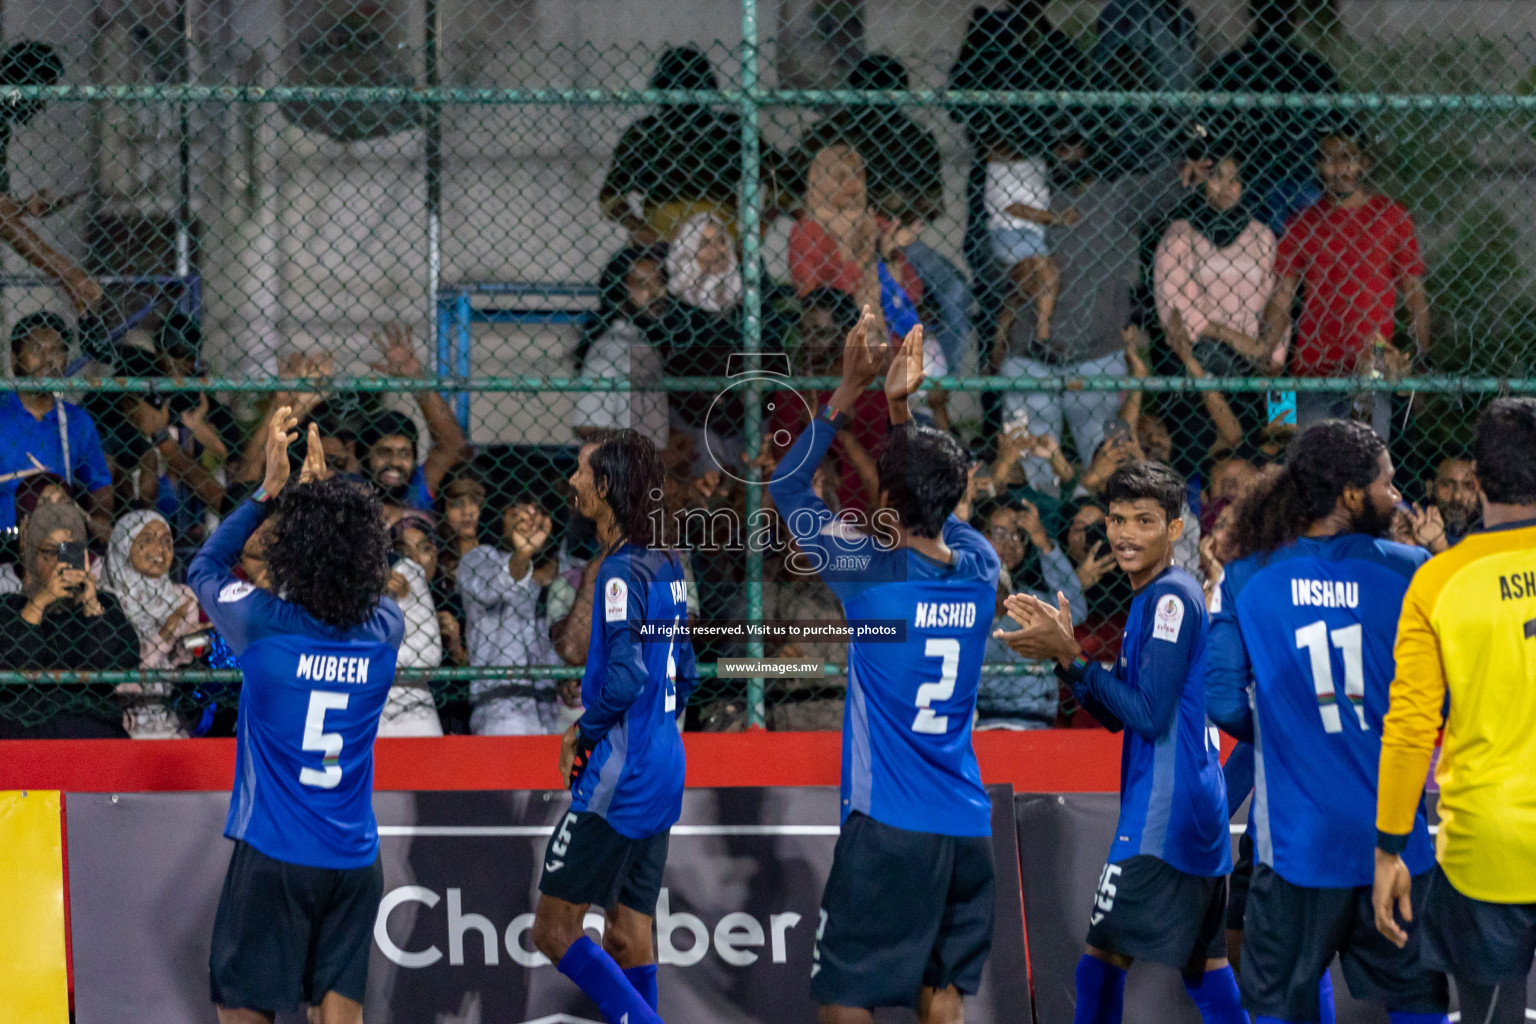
[[735, 924], [34, 984]]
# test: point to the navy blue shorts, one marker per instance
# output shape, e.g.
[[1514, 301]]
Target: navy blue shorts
[[902, 911], [1150, 910], [588, 861], [1472, 940], [286, 934]]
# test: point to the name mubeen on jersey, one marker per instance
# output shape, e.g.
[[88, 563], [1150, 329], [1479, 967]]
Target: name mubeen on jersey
[[945, 614], [324, 668], [1517, 586], [1325, 593]]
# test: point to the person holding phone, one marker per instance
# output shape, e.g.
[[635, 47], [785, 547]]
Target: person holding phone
[[61, 620]]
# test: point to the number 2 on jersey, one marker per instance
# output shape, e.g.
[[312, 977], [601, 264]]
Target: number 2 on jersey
[[947, 649], [327, 743], [1314, 640]]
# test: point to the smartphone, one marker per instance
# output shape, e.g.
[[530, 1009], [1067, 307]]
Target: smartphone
[[1282, 408], [72, 554]]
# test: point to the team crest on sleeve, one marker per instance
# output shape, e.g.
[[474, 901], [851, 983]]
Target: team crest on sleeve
[[235, 591], [615, 600], [1169, 617]]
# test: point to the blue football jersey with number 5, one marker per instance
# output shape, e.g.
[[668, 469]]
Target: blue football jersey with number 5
[[640, 670], [907, 755], [310, 702], [1311, 629]]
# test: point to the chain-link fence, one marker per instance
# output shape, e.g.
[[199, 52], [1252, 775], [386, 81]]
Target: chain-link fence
[[461, 237]]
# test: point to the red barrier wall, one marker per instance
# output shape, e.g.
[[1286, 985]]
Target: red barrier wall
[[1046, 761]]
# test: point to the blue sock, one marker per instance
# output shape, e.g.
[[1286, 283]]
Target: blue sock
[[1325, 999], [596, 974], [1100, 992], [644, 980], [1215, 994], [1399, 1017]]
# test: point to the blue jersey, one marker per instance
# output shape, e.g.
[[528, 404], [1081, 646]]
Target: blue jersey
[[907, 756], [1311, 627], [640, 669], [310, 702], [1173, 800]]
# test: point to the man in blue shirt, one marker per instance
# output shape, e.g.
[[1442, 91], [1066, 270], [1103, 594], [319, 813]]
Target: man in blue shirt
[[1163, 893], [623, 757], [1300, 664], [39, 432], [295, 920], [906, 916]]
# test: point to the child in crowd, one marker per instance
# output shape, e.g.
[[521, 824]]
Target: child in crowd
[[1018, 199]]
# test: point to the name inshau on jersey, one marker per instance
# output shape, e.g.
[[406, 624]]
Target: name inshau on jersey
[[1325, 593], [945, 614]]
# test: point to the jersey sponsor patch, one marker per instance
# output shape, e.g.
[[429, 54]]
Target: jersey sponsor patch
[[236, 591], [1169, 617], [615, 600]]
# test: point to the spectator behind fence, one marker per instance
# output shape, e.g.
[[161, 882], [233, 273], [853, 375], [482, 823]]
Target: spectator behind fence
[[411, 709], [390, 442], [162, 612], [904, 187], [1353, 251], [1213, 274], [39, 432], [32, 491], [1031, 564], [626, 343], [683, 160], [33, 63], [1014, 48], [1097, 261], [501, 602], [1147, 45], [703, 331], [61, 620], [1278, 141]]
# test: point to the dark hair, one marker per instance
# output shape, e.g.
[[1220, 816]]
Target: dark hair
[[1505, 450], [1342, 126], [329, 552], [922, 472], [29, 491], [180, 337], [1146, 479], [1285, 500], [628, 474], [879, 72], [684, 68], [1204, 144], [839, 303], [38, 322], [389, 424]]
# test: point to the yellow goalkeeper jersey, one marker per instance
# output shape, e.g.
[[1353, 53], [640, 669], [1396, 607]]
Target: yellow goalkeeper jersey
[[1469, 627]]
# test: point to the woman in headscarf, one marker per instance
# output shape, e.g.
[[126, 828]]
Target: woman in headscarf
[[703, 330], [1212, 275], [40, 489], [624, 346], [162, 612], [61, 620], [411, 709]]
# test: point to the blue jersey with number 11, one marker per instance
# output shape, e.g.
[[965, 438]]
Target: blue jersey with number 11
[[310, 702], [1312, 626]]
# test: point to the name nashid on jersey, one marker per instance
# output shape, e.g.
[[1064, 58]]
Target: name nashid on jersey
[[1517, 585], [1325, 593], [945, 615]]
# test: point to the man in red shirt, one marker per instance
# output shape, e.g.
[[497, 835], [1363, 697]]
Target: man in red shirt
[[1355, 250]]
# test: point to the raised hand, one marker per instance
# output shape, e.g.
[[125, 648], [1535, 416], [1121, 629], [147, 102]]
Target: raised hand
[[1428, 527], [529, 528], [1096, 566], [1045, 632], [863, 353], [398, 348], [282, 433], [905, 375], [314, 467]]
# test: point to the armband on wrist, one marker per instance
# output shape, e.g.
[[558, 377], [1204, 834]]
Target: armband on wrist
[[834, 417], [260, 495]]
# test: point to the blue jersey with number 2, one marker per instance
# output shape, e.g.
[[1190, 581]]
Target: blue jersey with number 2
[[907, 755], [1311, 629], [640, 669], [310, 703]]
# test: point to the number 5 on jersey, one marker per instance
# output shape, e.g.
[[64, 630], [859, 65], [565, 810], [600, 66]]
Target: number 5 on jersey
[[327, 743], [947, 649]]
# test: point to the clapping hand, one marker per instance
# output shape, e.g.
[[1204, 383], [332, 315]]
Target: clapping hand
[[905, 375], [527, 529], [281, 434], [314, 467], [863, 354], [1045, 633]]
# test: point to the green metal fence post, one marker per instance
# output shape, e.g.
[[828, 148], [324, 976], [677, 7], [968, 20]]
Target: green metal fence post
[[749, 217]]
